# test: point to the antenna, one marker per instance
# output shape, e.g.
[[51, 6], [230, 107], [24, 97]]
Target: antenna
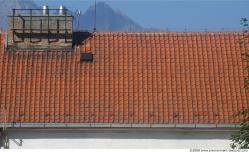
[[78, 14], [95, 14]]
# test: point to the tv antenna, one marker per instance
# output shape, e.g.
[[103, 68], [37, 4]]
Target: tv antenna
[[95, 16], [78, 14]]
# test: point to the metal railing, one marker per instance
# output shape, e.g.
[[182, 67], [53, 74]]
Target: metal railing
[[33, 15]]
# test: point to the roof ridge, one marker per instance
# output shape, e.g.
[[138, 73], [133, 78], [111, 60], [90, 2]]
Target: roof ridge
[[164, 33]]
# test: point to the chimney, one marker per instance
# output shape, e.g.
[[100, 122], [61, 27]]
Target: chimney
[[40, 31]]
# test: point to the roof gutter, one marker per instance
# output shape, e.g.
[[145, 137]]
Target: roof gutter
[[117, 125]]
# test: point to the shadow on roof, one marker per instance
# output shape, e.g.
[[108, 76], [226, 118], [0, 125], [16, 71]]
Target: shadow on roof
[[80, 37]]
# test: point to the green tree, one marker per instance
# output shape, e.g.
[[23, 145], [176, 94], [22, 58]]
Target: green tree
[[240, 139]]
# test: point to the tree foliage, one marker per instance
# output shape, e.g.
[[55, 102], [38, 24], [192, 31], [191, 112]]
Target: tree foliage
[[240, 139]]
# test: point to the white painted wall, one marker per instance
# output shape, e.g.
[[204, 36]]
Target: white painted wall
[[119, 139]]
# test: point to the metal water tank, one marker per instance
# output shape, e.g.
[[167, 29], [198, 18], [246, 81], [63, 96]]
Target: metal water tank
[[45, 10], [62, 10]]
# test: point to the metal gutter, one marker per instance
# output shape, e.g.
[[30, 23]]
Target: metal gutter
[[117, 125]]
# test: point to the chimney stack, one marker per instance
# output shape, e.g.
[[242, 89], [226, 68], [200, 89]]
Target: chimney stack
[[50, 29]]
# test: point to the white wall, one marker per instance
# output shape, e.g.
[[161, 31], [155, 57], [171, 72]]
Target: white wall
[[119, 139]]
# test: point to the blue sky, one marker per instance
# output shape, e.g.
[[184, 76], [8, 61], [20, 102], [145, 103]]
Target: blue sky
[[175, 15]]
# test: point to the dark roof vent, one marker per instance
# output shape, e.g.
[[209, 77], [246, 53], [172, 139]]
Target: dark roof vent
[[86, 57]]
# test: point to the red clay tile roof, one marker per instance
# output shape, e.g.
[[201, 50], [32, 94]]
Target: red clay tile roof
[[155, 78]]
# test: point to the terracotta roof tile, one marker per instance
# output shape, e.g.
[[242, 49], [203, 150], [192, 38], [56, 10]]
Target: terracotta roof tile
[[134, 78]]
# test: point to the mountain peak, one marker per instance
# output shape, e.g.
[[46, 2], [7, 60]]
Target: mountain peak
[[100, 5], [103, 4], [107, 19]]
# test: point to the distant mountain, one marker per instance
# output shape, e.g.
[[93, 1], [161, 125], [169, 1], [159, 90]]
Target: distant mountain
[[7, 5], [107, 19]]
